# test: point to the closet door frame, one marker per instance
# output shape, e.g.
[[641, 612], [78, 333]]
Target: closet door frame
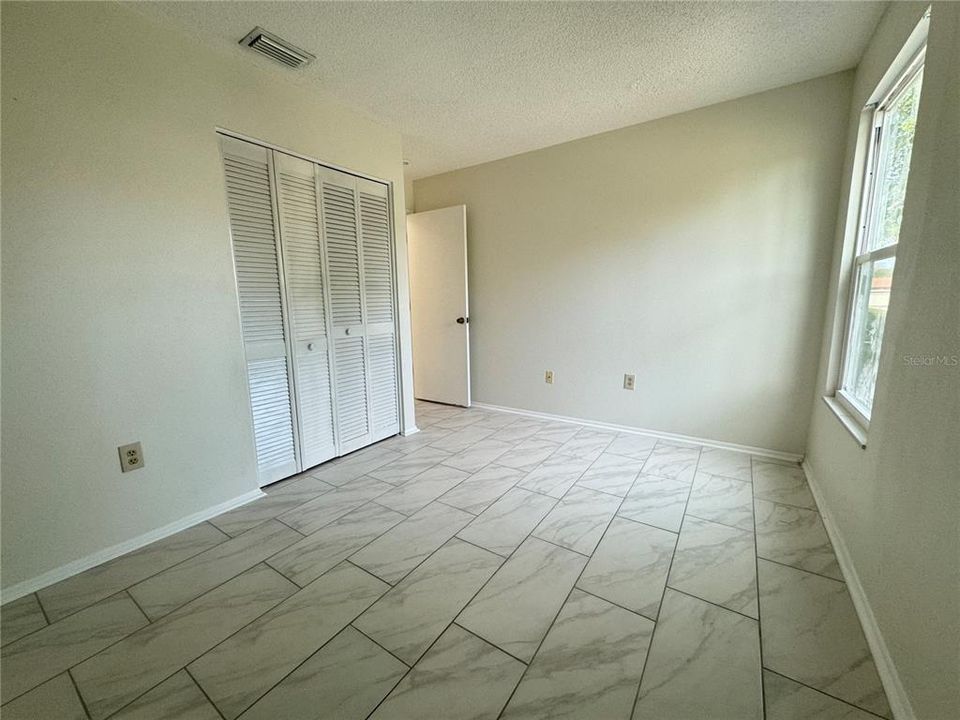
[[402, 390]]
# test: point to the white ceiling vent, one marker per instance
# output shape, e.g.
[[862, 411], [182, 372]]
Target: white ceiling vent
[[276, 48]]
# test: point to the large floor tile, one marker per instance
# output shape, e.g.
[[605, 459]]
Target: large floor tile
[[462, 439], [788, 700], [656, 501], [478, 455], [577, 522], [515, 608], [527, 454], [355, 465], [782, 484], [633, 446], [125, 671], [519, 430], [480, 490], [613, 474], [40, 656], [676, 462], [56, 699], [794, 536], [589, 664], [306, 560], [345, 679], [460, 678], [170, 589], [323, 510], [704, 662], [811, 633], [721, 499], [555, 475], [557, 432], [423, 489], [413, 614], [242, 668], [496, 420], [176, 698], [716, 563], [111, 577], [588, 444], [726, 463], [505, 524], [406, 545], [20, 617], [285, 496], [630, 566], [406, 444], [414, 463]]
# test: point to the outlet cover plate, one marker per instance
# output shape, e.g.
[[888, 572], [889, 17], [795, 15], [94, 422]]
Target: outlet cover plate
[[629, 382], [131, 457]]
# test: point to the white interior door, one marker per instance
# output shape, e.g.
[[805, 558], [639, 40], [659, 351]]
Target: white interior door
[[253, 230], [437, 247], [300, 238]]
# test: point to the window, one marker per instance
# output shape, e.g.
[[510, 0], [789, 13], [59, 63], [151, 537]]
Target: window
[[881, 211]]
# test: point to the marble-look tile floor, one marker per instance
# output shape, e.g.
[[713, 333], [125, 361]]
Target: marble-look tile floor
[[489, 566]]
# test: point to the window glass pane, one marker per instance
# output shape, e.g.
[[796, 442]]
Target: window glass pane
[[890, 184], [869, 316]]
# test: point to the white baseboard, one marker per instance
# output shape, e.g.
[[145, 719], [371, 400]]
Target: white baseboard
[[762, 452], [85, 563], [411, 431], [896, 694]]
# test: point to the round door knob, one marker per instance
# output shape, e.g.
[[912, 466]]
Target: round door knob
[[462, 320], [309, 346]]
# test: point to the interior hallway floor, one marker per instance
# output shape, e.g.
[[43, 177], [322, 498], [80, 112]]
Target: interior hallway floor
[[491, 565]]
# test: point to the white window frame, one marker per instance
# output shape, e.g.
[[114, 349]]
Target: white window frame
[[865, 224]]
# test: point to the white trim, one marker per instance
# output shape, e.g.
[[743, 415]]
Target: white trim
[[85, 563], [896, 694], [412, 431], [849, 421], [762, 452]]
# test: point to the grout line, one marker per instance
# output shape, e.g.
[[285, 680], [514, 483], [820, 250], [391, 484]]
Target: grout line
[[76, 689], [663, 594], [756, 570], [711, 602], [351, 625], [495, 647], [622, 607], [204, 692], [799, 569], [821, 692]]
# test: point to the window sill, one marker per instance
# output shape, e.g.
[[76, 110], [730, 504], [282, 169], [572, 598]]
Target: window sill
[[848, 421]]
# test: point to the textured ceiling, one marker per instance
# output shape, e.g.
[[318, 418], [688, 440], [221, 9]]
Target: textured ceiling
[[468, 82]]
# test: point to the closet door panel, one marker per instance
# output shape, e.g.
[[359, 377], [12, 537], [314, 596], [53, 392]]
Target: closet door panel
[[379, 294], [253, 234], [300, 238], [341, 235]]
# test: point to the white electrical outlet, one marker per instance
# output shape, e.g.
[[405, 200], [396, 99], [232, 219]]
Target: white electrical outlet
[[629, 382], [548, 377], [131, 457]]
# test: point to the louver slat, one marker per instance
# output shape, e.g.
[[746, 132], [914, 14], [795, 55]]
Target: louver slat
[[252, 230], [303, 269], [380, 311]]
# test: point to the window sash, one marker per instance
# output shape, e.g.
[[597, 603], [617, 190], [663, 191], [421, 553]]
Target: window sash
[[866, 227]]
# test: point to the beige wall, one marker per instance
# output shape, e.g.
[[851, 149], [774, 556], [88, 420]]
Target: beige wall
[[895, 506], [120, 317], [693, 251]]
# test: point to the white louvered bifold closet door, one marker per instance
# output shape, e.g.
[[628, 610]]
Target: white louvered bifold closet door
[[341, 233], [253, 230], [301, 240], [379, 307]]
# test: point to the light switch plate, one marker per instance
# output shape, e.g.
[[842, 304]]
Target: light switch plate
[[548, 377], [131, 457], [629, 382]]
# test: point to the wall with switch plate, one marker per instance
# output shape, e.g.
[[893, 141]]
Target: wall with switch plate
[[120, 317], [692, 252]]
